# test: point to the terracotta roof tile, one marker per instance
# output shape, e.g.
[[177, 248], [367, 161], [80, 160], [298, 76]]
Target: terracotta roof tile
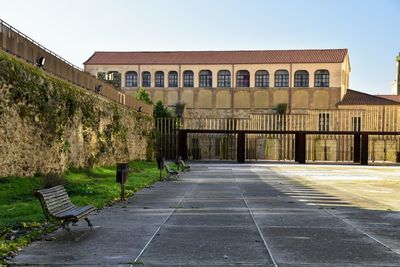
[[219, 57], [391, 97], [353, 97]]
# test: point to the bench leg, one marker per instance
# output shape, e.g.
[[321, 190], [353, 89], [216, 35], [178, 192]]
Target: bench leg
[[89, 223], [65, 226]]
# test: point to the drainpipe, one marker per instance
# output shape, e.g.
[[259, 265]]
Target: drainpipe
[[139, 77], [233, 77], [398, 74], [290, 90]]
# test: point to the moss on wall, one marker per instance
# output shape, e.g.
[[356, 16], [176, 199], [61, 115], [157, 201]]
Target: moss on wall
[[47, 124]]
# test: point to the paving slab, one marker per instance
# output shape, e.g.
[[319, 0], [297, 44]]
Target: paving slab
[[123, 230], [236, 215]]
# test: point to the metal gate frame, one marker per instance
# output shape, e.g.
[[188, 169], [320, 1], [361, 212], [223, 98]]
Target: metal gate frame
[[360, 152]]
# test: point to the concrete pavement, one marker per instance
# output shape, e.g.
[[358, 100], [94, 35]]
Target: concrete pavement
[[229, 215]]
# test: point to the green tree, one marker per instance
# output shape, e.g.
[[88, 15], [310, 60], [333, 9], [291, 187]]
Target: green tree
[[281, 108], [161, 111], [143, 96]]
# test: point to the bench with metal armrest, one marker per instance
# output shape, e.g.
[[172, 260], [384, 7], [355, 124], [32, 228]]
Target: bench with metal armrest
[[182, 165], [171, 174], [57, 206]]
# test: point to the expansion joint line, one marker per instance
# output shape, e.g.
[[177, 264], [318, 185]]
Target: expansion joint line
[[162, 224], [362, 232], [255, 222]]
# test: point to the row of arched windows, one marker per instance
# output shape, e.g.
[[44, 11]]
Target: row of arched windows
[[301, 78]]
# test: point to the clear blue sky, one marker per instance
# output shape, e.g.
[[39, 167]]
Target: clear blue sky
[[76, 28]]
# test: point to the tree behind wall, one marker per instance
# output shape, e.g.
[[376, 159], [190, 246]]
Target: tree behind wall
[[161, 111], [143, 96]]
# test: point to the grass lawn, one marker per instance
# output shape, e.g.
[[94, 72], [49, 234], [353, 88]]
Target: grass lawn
[[21, 216]]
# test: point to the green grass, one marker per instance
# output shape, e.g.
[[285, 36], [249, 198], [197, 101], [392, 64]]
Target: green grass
[[21, 211]]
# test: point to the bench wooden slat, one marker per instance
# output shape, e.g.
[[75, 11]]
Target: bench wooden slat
[[54, 195], [65, 212], [76, 211], [61, 208], [56, 198], [51, 190], [57, 204]]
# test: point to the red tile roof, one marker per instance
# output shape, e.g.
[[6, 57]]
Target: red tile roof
[[353, 97], [219, 57], [391, 97]]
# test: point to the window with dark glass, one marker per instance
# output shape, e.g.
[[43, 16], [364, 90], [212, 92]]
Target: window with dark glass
[[356, 124], [114, 78], [224, 78], [159, 79], [131, 79], [205, 78], [262, 78], [321, 78], [323, 124], [146, 79], [242, 78], [188, 78], [301, 78], [100, 75], [172, 79], [281, 78]]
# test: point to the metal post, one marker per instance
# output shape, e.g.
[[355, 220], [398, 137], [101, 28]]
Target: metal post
[[296, 147], [182, 144], [357, 147], [300, 147], [241, 147], [364, 149], [122, 191]]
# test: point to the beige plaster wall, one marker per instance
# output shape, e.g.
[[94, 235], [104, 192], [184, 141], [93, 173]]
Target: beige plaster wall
[[223, 99], [261, 99], [242, 99], [250, 99]]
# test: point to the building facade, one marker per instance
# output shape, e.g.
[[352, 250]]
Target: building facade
[[231, 83], [245, 90]]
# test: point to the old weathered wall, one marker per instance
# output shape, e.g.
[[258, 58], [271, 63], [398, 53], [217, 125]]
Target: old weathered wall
[[48, 125]]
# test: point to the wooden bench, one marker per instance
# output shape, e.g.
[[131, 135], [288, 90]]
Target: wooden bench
[[57, 206], [182, 165], [171, 174]]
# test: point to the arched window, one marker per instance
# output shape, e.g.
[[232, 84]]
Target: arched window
[[172, 79], [131, 79], [159, 79], [188, 78], [321, 78], [262, 78], [281, 78], [146, 79], [301, 78], [205, 78], [224, 78], [242, 78], [114, 78]]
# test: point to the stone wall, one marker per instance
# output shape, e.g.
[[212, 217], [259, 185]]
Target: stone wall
[[48, 125]]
